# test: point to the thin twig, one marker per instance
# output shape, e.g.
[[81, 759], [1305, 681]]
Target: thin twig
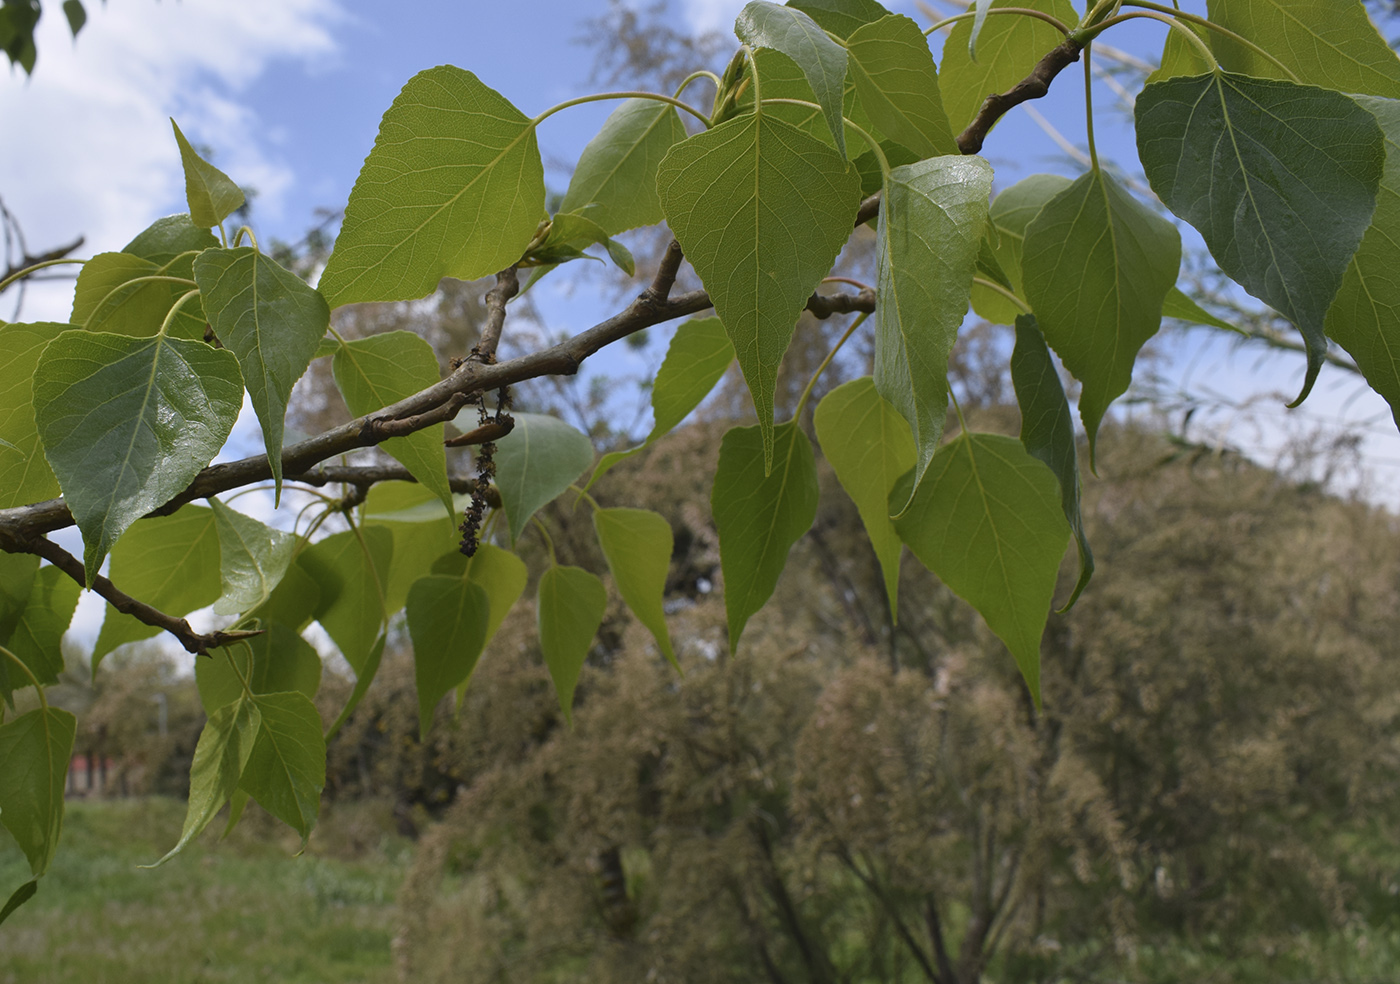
[[507, 286], [1033, 86]]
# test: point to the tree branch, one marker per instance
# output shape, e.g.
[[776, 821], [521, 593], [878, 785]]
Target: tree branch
[[27, 261], [1033, 86], [507, 286]]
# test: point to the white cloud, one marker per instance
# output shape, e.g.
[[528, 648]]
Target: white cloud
[[87, 144]]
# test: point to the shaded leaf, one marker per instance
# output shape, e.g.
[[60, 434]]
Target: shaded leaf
[[273, 322], [1097, 265], [111, 295], [897, 82], [569, 609], [222, 753], [169, 237], [252, 559], [822, 60], [759, 517], [352, 576], [638, 544], [761, 210], [1012, 211], [540, 458], [1300, 167], [382, 369], [430, 204], [1047, 432], [502, 575], [616, 174], [281, 662], [17, 898], [38, 632], [75, 14], [1183, 308], [930, 230], [34, 752], [869, 447], [211, 194], [294, 602], [696, 360], [25, 476], [287, 768], [421, 534], [1180, 56], [447, 620], [127, 423], [988, 522]]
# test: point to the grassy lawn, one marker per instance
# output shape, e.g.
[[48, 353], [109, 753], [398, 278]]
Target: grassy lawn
[[241, 910]]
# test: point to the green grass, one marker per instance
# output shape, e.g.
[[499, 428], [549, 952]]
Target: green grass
[[239, 911]]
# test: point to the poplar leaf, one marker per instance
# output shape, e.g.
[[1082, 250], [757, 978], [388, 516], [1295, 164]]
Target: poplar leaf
[[1097, 265], [841, 17], [616, 174], [75, 14], [421, 533], [869, 447], [272, 321], [127, 423], [211, 194], [111, 294], [1047, 432], [220, 756], [252, 559], [38, 632], [25, 476], [171, 563], [447, 620], [502, 575], [930, 230], [169, 238], [540, 458], [822, 60], [696, 360], [1299, 166], [352, 576], [760, 516], [278, 661], [569, 608], [382, 369], [979, 18], [286, 770], [1365, 316], [897, 83], [638, 544], [761, 210], [34, 752], [988, 522], [17, 898], [454, 187], [1011, 212]]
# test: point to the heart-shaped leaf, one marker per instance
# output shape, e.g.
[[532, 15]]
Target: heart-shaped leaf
[[540, 458], [615, 179], [897, 82], [25, 476], [569, 609], [352, 572], [447, 620], [637, 544], [34, 752], [38, 632], [281, 662], [211, 194], [286, 770]]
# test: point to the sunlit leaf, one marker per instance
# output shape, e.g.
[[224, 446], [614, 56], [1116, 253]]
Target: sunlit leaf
[[931, 225], [540, 458], [897, 82], [114, 293], [637, 544], [382, 369], [25, 476], [127, 423], [253, 558], [822, 60], [569, 609], [759, 517], [761, 209], [1013, 210], [840, 17], [454, 187], [1279, 179], [447, 620], [988, 522], [869, 446], [212, 196], [616, 173], [421, 533], [287, 768]]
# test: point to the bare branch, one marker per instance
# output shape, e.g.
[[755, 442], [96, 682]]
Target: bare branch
[[1033, 86], [507, 286]]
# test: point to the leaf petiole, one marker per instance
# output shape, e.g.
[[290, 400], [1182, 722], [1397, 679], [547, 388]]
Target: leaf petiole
[[43, 701], [1050, 19], [21, 274], [602, 96], [174, 308]]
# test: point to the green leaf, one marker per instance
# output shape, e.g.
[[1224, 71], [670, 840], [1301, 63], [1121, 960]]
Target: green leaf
[[930, 230], [273, 322], [171, 563], [253, 558], [362, 685], [1180, 56], [352, 577], [212, 196], [1328, 43], [1012, 211], [447, 620], [841, 17], [1300, 169], [569, 608], [17, 573], [637, 544], [979, 20], [1363, 318], [17, 898], [220, 756], [127, 423], [169, 237], [759, 517], [75, 14], [869, 447], [25, 476], [1007, 49], [988, 522], [286, 770], [421, 534], [696, 360], [616, 173], [822, 60], [540, 458], [897, 82], [281, 662], [382, 369], [761, 210], [1097, 265], [34, 753], [1047, 432], [1181, 307], [294, 602], [430, 203], [38, 632], [108, 297]]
